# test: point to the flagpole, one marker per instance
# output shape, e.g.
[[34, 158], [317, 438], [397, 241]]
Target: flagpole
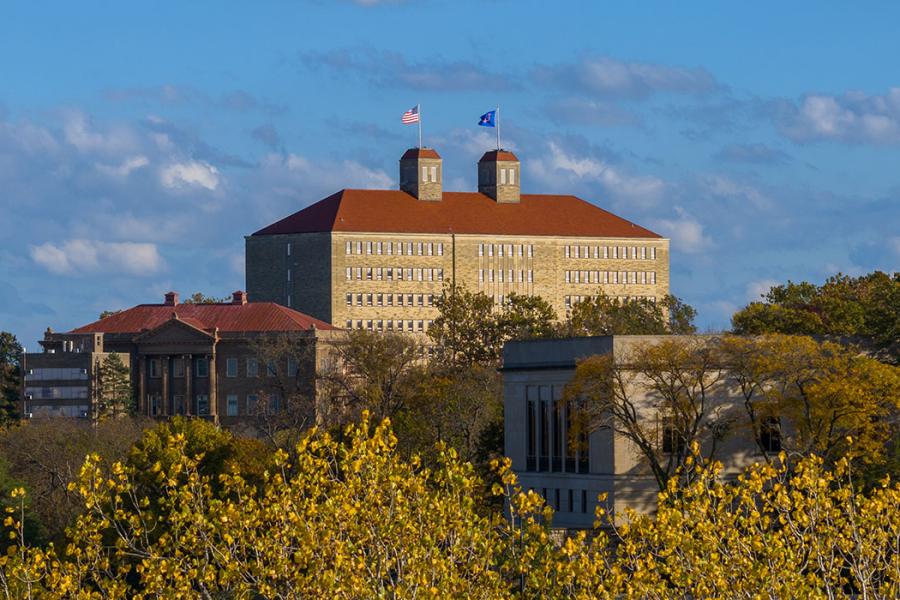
[[419, 110], [498, 127]]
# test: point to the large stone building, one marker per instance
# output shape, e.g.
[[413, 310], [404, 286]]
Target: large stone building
[[228, 362], [375, 259], [572, 473]]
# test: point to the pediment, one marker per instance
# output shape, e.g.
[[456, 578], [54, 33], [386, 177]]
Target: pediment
[[175, 331]]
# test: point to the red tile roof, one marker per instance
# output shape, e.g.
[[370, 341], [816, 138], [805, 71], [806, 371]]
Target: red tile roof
[[250, 317], [420, 153], [394, 211], [494, 155]]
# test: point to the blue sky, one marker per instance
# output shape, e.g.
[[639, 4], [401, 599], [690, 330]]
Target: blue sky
[[139, 143]]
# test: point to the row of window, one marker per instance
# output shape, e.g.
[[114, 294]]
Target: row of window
[[505, 275], [398, 248], [549, 446], [614, 277], [231, 367], [410, 325], [556, 500], [55, 374], [394, 274], [622, 252], [360, 299], [506, 250], [201, 404], [573, 300], [55, 393]]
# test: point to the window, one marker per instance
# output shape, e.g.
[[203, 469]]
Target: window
[[203, 367], [271, 368], [178, 401], [348, 248], [390, 248], [155, 371], [512, 177], [231, 367], [274, 404], [480, 275], [643, 253], [434, 174], [202, 404], [673, 441], [288, 248], [568, 252], [490, 249], [252, 403], [653, 277], [358, 273], [349, 323], [440, 248], [178, 367], [421, 300], [430, 248], [770, 434], [380, 299], [369, 299], [368, 247], [499, 249], [500, 275], [440, 274], [530, 276], [568, 276], [421, 325], [349, 298], [418, 274], [424, 173], [252, 367], [359, 247], [409, 248], [369, 325], [652, 253], [231, 405], [502, 176], [480, 249], [288, 274], [378, 248]]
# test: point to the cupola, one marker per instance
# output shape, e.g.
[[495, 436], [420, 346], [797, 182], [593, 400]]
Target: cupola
[[420, 173], [499, 174]]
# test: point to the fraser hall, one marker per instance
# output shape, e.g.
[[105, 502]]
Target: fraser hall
[[376, 259]]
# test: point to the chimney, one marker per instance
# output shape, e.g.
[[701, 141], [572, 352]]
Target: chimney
[[171, 299], [499, 175], [420, 173], [239, 297]]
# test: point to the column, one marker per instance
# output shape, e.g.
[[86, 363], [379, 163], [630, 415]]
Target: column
[[213, 383], [164, 366], [143, 405], [188, 382]]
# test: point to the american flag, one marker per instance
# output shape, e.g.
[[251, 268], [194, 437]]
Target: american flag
[[411, 116]]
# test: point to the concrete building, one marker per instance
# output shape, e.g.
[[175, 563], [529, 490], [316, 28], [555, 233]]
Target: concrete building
[[375, 259], [207, 360], [571, 474]]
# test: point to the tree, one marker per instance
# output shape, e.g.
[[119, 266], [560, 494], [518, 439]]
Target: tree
[[662, 397], [602, 315], [201, 298], [116, 396], [10, 375], [867, 306], [525, 317], [375, 372]]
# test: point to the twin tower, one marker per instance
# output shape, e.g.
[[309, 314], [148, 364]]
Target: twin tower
[[498, 175]]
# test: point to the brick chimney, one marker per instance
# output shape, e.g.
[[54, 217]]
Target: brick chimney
[[171, 299], [239, 297]]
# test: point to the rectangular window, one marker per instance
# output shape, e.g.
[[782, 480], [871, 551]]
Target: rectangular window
[[512, 177], [231, 366], [349, 273], [512, 278], [568, 276], [155, 371], [370, 325], [440, 248], [421, 325], [673, 441], [359, 247], [349, 299], [500, 275], [368, 247], [491, 276], [289, 248], [378, 248], [369, 299], [531, 424], [499, 249], [584, 501], [359, 299], [430, 248], [231, 405], [652, 253], [202, 404], [409, 299], [419, 248], [605, 251], [643, 253], [480, 275], [252, 367], [348, 249], [434, 174], [568, 252], [252, 404], [502, 176], [418, 274], [178, 367], [288, 274], [349, 324], [378, 273], [643, 277], [530, 250], [421, 299], [424, 173], [490, 249], [390, 248], [530, 276], [653, 277], [440, 274], [409, 248], [358, 273], [368, 273], [380, 299], [770, 435], [380, 325], [480, 249], [202, 367], [390, 299]]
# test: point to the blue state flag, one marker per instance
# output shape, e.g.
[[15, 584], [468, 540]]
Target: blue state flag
[[487, 119]]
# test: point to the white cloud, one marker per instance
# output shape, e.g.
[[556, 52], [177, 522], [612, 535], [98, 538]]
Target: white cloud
[[894, 243], [685, 232], [645, 190], [725, 187], [851, 117], [346, 174], [80, 256], [607, 76], [125, 168], [759, 288], [79, 133], [191, 173]]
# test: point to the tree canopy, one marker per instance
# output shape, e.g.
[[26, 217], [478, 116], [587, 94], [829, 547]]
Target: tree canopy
[[603, 315], [10, 373]]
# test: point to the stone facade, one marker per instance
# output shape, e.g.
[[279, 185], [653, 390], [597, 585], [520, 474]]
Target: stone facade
[[572, 476]]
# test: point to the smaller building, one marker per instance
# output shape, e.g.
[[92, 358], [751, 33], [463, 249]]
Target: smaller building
[[572, 473], [229, 362]]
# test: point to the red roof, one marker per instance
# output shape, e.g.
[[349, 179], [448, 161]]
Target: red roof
[[420, 153], [253, 316], [495, 155], [395, 211]]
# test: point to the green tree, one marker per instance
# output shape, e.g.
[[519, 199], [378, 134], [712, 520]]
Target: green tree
[[10, 376], [602, 315], [116, 395], [526, 317], [201, 298]]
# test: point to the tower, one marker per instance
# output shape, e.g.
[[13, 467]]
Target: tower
[[499, 176], [420, 173]]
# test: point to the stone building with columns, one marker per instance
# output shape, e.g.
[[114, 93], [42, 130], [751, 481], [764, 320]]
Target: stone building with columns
[[375, 259], [206, 360]]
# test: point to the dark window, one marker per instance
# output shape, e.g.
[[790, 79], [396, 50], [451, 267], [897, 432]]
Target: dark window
[[202, 367], [770, 434], [672, 438], [557, 435], [544, 458], [531, 464], [584, 501], [571, 499]]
